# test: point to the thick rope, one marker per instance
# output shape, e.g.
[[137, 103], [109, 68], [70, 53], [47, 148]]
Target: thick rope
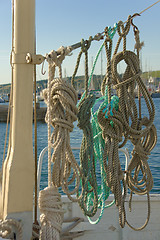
[[87, 162], [125, 123], [61, 112], [103, 190], [112, 130], [51, 219], [11, 228]]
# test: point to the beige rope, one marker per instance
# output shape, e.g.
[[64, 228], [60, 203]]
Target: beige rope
[[107, 78], [63, 114], [51, 219], [9, 227], [61, 99], [128, 125], [149, 7]]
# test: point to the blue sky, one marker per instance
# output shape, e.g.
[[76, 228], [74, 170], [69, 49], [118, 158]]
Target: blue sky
[[67, 22]]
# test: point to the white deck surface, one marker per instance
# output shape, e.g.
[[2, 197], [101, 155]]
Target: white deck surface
[[109, 228]]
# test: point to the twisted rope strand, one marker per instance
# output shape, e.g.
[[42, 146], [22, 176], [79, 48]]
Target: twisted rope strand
[[125, 122]]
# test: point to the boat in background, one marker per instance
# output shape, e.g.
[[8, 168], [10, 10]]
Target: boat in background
[[16, 192]]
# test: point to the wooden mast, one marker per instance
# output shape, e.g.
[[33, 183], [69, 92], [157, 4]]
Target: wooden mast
[[18, 169]]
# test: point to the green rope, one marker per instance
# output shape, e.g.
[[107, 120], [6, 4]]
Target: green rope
[[111, 32], [103, 190], [92, 148], [87, 161]]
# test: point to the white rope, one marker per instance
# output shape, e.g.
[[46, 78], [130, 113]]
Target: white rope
[[10, 226], [53, 60], [50, 206], [50, 203]]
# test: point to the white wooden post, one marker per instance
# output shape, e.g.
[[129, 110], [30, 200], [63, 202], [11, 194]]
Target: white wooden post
[[18, 170]]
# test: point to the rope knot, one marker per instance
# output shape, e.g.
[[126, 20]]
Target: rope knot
[[63, 104], [123, 30], [138, 44], [56, 57], [50, 206], [140, 151], [132, 72], [84, 111], [85, 45]]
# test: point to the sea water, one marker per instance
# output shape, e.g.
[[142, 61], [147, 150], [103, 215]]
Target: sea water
[[76, 137]]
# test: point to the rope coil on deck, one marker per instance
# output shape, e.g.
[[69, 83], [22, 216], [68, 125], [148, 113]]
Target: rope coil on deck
[[51, 219], [10, 228]]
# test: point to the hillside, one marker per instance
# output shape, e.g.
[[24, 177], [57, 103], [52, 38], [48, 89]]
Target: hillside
[[155, 74], [79, 82]]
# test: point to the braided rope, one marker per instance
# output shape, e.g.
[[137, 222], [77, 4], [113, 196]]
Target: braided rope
[[10, 226], [112, 130], [89, 206], [87, 162], [61, 101], [63, 113], [124, 123], [51, 218], [103, 190]]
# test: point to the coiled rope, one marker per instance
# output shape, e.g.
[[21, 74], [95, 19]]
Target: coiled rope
[[61, 101], [119, 121], [87, 162], [103, 190], [11, 228], [125, 124]]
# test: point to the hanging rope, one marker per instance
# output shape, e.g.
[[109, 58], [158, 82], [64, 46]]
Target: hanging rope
[[118, 120], [124, 123], [88, 177], [61, 99], [87, 162], [103, 190], [112, 129]]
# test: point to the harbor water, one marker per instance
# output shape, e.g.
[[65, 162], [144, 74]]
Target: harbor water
[[75, 139]]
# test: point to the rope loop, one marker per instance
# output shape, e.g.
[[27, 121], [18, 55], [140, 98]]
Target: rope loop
[[57, 57], [124, 30], [63, 112], [142, 148], [85, 45]]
